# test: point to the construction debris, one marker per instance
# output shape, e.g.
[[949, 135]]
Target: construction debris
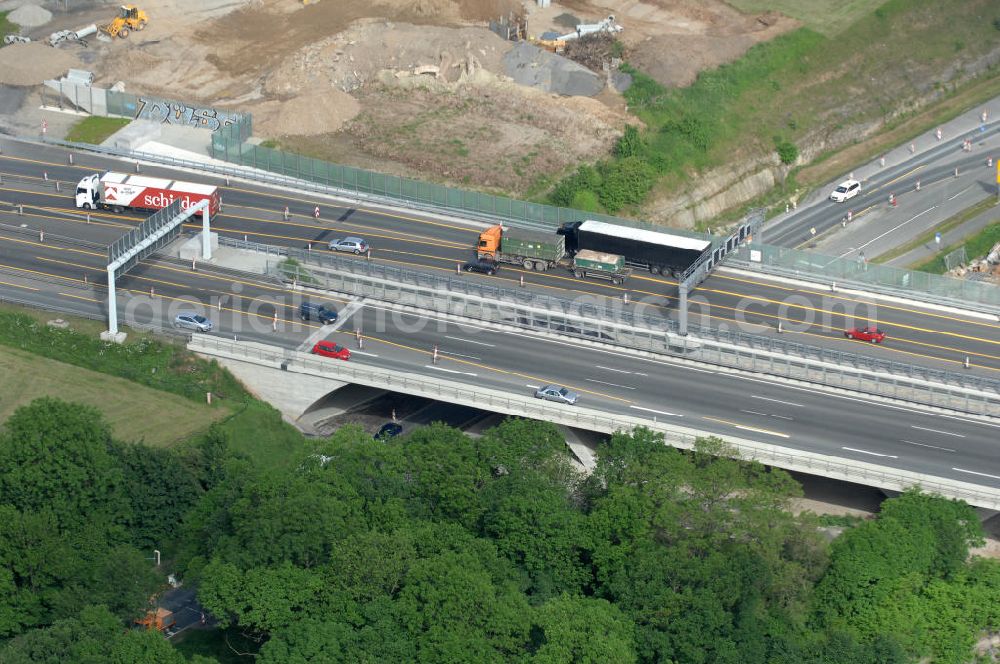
[[986, 267], [530, 65]]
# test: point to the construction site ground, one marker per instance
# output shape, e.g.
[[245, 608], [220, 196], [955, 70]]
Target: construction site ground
[[412, 87]]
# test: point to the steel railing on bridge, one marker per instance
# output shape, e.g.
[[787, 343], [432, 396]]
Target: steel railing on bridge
[[603, 320], [587, 417]]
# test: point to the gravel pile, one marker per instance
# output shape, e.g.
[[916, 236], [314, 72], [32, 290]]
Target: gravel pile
[[535, 67], [30, 16]]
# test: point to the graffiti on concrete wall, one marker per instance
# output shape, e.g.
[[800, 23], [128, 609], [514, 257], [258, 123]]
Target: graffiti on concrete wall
[[178, 113]]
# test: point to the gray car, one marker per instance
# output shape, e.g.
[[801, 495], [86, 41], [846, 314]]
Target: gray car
[[190, 321], [352, 244], [557, 393]]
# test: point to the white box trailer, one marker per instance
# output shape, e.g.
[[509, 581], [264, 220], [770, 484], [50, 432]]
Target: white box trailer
[[123, 191]]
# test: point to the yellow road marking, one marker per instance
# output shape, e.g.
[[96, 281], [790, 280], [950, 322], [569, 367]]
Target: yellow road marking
[[747, 427]]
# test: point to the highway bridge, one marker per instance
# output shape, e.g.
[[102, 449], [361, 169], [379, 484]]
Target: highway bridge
[[51, 255]]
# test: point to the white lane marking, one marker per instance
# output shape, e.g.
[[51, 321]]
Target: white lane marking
[[324, 330], [755, 412], [943, 433], [888, 456], [470, 341], [684, 366], [747, 427], [658, 412], [361, 352], [787, 403], [933, 447], [875, 239], [451, 352], [972, 472], [534, 387], [639, 373], [844, 397], [960, 193], [451, 371], [598, 366], [601, 382]]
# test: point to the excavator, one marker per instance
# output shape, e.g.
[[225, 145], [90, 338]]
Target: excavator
[[129, 18]]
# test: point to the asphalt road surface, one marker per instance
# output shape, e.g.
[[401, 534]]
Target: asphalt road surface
[[807, 314]]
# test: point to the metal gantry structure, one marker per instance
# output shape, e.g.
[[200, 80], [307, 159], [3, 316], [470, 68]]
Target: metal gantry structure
[[158, 230], [697, 273]]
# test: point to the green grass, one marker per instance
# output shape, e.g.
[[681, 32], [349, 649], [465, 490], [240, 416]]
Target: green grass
[[6, 27], [95, 129], [162, 365], [136, 413], [975, 247], [809, 84], [942, 228], [828, 17], [259, 432]]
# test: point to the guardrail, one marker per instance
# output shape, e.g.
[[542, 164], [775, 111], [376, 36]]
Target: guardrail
[[585, 417], [588, 319], [942, 290]]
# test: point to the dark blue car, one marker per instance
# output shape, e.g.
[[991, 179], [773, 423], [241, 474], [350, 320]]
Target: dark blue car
[[389, 430]]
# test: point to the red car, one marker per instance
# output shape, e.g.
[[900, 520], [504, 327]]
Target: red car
[[872, 334], [330, 349]]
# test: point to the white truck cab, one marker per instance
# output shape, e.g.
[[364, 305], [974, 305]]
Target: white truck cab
[[88, 193]]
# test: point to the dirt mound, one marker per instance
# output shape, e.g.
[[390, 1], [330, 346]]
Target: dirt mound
[[354, 57], [30, 64], [30, 16], [306, 115]]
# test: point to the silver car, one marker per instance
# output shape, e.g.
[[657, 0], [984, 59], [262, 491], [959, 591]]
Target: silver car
[[557, 393], [352, 244], [190, 321]]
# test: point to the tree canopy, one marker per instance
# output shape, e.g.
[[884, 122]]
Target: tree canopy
[[440, 547]]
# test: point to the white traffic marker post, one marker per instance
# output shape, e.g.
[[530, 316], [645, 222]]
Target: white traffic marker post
[[274, 323], [458, 268], [285, 214], [918, 185], [316, 213], [70, 158], [435, 358], [41, 236]]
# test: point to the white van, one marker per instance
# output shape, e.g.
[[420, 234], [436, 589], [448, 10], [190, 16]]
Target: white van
[[845, 190]]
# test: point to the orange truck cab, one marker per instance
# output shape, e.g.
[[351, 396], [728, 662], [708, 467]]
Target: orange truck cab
[[161, 620], [489, 242]]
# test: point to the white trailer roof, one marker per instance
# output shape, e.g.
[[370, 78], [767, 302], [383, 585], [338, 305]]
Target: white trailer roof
[[642, 235], [158, 183]]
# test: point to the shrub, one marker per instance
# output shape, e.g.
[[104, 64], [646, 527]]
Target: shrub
[[787, 152], [630, 143], [625, 182]]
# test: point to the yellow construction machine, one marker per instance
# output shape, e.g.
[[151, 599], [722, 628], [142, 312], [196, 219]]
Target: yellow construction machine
[[129, 18]]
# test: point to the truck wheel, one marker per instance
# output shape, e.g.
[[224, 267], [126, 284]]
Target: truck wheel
[[88, 206], [578, 274], [528, 264], [541, 266], [117, 209]]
